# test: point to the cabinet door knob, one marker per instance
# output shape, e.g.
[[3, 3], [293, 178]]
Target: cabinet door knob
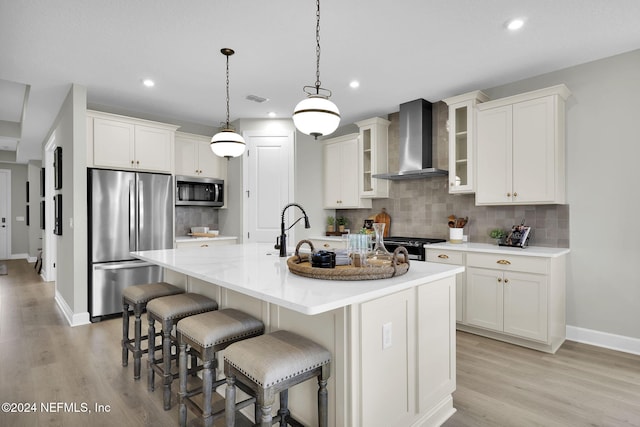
[[132, 162], [506, 280], [499, 280], [443, 256], [137, 162], [503, 262], [508, 194], [515, 194]]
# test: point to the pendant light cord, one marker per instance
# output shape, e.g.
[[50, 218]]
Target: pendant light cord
[[227, 91], [318, 84]]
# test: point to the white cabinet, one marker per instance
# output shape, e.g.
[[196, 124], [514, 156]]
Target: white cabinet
[[374, 137], [516, 295], [462, 140], [521, 149], [455, 258], [127, 143], [341, 188], [195, 158]]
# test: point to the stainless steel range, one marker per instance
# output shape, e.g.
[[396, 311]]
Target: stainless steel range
[[414, 245]]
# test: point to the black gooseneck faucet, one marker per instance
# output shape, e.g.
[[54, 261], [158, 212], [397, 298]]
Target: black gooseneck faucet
[[281, 242]]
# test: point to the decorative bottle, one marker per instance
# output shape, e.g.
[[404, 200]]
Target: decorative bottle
[[380, 255]]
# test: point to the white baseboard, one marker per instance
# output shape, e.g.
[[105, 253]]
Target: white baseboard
[[19, 256], [73, 319], [604, 339]]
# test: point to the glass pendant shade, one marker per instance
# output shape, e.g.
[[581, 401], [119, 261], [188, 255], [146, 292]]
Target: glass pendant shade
[[316, 116], [227, 143]]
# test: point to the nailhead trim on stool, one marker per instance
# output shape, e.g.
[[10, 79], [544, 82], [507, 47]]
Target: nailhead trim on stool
[[169, 311], [271, 364], [207, 334], [138, 296]]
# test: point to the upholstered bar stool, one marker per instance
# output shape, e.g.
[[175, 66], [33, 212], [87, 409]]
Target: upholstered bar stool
[[207, 334], [137, 296], [271, 364], [168, 311]]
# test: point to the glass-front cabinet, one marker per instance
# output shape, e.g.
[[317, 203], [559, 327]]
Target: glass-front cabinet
[[374, 137], [462, 126]]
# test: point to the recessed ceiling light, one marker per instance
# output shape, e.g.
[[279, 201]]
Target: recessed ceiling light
[[354, 84], [515, 24], [271, 114], [148, 83]]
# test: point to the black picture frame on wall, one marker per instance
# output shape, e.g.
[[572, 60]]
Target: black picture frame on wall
[[27, 215], [27, 191], [57, 224], [41, 182], [57, 168], [42, 216]]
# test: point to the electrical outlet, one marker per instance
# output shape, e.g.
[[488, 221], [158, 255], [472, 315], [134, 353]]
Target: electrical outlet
[[387, 340]]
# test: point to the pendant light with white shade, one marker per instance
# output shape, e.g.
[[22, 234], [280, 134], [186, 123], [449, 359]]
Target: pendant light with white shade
[[227, 143], [316, 115]]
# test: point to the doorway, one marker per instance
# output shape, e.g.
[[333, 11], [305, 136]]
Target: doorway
[[268, 184], [5, 214]]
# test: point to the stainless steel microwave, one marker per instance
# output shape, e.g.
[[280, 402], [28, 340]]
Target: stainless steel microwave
[[191, 191]]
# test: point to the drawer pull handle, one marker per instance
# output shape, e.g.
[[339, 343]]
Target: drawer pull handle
[[503, 262], [204, 245], [326, 245], [443, 256]]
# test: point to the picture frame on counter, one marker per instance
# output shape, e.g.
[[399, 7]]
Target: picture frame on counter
[[518, 237]]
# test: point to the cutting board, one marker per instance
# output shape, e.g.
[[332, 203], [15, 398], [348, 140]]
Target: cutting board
[[386, 219], [204, 234]]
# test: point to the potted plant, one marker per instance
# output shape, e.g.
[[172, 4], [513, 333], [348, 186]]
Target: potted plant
[[498, 234], [342, 222], [331, 224]]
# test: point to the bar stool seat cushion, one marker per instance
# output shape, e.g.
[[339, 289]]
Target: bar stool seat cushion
[[273, 358], [140, 294], [179, 306], [218, 327]]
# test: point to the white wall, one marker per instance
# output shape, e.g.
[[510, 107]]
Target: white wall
[[19, 245], [70, 128], [603, 150]]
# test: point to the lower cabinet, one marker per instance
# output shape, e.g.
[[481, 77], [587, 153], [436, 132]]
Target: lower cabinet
[[514, 298]]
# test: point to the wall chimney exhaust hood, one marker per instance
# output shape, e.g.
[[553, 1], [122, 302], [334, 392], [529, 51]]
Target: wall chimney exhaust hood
[[416, 143]]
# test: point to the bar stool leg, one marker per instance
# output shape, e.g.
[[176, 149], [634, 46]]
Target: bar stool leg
[[137, 351], [283, 412], [265, 402], [230, 402], [125, 334], [207, 384], [151, 354], [166, 360], [182, 364], [323, 405]]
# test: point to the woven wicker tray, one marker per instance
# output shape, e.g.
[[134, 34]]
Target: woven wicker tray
[[300, 264]]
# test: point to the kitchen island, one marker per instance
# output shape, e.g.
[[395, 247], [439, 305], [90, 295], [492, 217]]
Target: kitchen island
[[392, 340]]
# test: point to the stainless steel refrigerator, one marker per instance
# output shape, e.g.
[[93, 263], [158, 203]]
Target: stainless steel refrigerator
[[128, 211]]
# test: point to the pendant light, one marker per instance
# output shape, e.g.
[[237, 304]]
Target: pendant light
[[316, 115], [227, 143]]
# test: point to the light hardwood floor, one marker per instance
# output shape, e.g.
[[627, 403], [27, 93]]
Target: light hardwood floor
[[44, 361]]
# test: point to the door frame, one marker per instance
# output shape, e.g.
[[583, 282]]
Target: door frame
[[7, 172], [50, 243], [249, 135]]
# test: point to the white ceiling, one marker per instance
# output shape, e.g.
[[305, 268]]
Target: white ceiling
[[398, 50]]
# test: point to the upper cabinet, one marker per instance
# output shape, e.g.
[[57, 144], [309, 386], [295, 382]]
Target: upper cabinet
[[195, 158], [521, 149], [374, 137], [341, 173], [462, 140], [126, 143]]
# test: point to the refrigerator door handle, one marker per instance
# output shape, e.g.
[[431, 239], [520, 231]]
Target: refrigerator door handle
[[133, 241], [139, 210], [120, 265]]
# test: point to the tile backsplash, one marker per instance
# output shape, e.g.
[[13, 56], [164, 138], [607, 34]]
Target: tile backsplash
[[195, 216], [420, 207]]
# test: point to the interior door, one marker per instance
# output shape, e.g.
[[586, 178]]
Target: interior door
[[5, 213], [268, 185]]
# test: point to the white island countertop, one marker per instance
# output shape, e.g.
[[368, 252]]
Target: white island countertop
[[256, 270]]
